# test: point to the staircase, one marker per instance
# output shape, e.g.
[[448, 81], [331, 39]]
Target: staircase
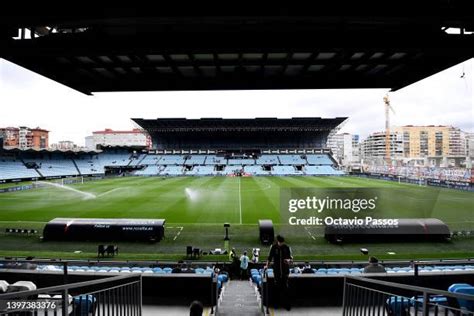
[[77, 168], [239, 298]]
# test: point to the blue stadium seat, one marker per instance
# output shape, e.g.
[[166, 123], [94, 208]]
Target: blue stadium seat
[[84, 304], [397, 305], [454, 286], [465, 304]]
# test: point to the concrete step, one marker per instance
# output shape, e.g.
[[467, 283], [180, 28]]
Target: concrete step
[[239, 298]]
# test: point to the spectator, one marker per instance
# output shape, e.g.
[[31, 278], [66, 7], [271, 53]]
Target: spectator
[[232, 255], [307, 268], [234, 267], [178, 268], [244, 264], [29, 265], [374, 266], [255, 255], [196, 309], [280, 254], [297, 270], [187, 269]]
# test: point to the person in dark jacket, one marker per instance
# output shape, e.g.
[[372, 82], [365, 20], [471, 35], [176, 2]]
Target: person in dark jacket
[[280, 255], [374, 266], [196, 308]]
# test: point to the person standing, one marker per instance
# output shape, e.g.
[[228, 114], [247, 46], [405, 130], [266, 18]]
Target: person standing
[[374, 266], [280, 255], [244, 264], [235, 265]]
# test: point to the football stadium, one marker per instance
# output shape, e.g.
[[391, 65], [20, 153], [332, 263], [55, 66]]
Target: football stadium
[[198, 190], [184, 223]]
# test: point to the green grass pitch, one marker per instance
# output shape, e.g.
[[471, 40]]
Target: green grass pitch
[[196, 207]]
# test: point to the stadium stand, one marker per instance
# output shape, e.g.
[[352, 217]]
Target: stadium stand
[[151, 170], [232, 169], [267, 160], [61, 165], [291, 160], [54, 167], [262, 146], [137, 159], [322, 170], [114, 160], [319, 160], [172, 171], [256, 170], [195, 160], [89, 165], [285, 170], [201, 171], [171, 160], [214, 160], [14, 169], [237, 161], [150, 160]]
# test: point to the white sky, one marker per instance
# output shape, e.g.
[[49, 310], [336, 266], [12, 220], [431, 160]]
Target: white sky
[[28, 99]]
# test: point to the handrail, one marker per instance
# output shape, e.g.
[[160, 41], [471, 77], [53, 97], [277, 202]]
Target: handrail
[[158, 262], [410, 287], [58, 288]]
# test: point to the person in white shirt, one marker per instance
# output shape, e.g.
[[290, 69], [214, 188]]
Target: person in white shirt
[[244, 264]]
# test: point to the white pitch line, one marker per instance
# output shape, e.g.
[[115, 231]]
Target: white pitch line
[[110, 191], [179, 232], [240, 202], [309, 233]]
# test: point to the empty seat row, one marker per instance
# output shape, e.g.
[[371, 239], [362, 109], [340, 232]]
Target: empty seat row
[[16, 170], [389, 270], [318, 160], [118, 269]]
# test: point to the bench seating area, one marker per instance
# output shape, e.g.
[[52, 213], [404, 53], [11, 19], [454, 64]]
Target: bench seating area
[[169, 165], [15, 169], [171, 160], [318, 160], [55, 167], [89, 165], [201, 171]]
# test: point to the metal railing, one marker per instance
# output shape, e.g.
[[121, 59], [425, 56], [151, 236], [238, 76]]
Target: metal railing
[[363, 296], [118, 295], [155, 263]]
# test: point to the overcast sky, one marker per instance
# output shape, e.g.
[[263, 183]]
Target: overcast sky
[[28, 99]]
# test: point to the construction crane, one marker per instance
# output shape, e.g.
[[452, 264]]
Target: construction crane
[[388, 108]]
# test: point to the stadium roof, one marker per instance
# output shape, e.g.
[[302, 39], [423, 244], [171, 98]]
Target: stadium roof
[[46, 150], [199, 46], [239, 134], [297, 124]]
